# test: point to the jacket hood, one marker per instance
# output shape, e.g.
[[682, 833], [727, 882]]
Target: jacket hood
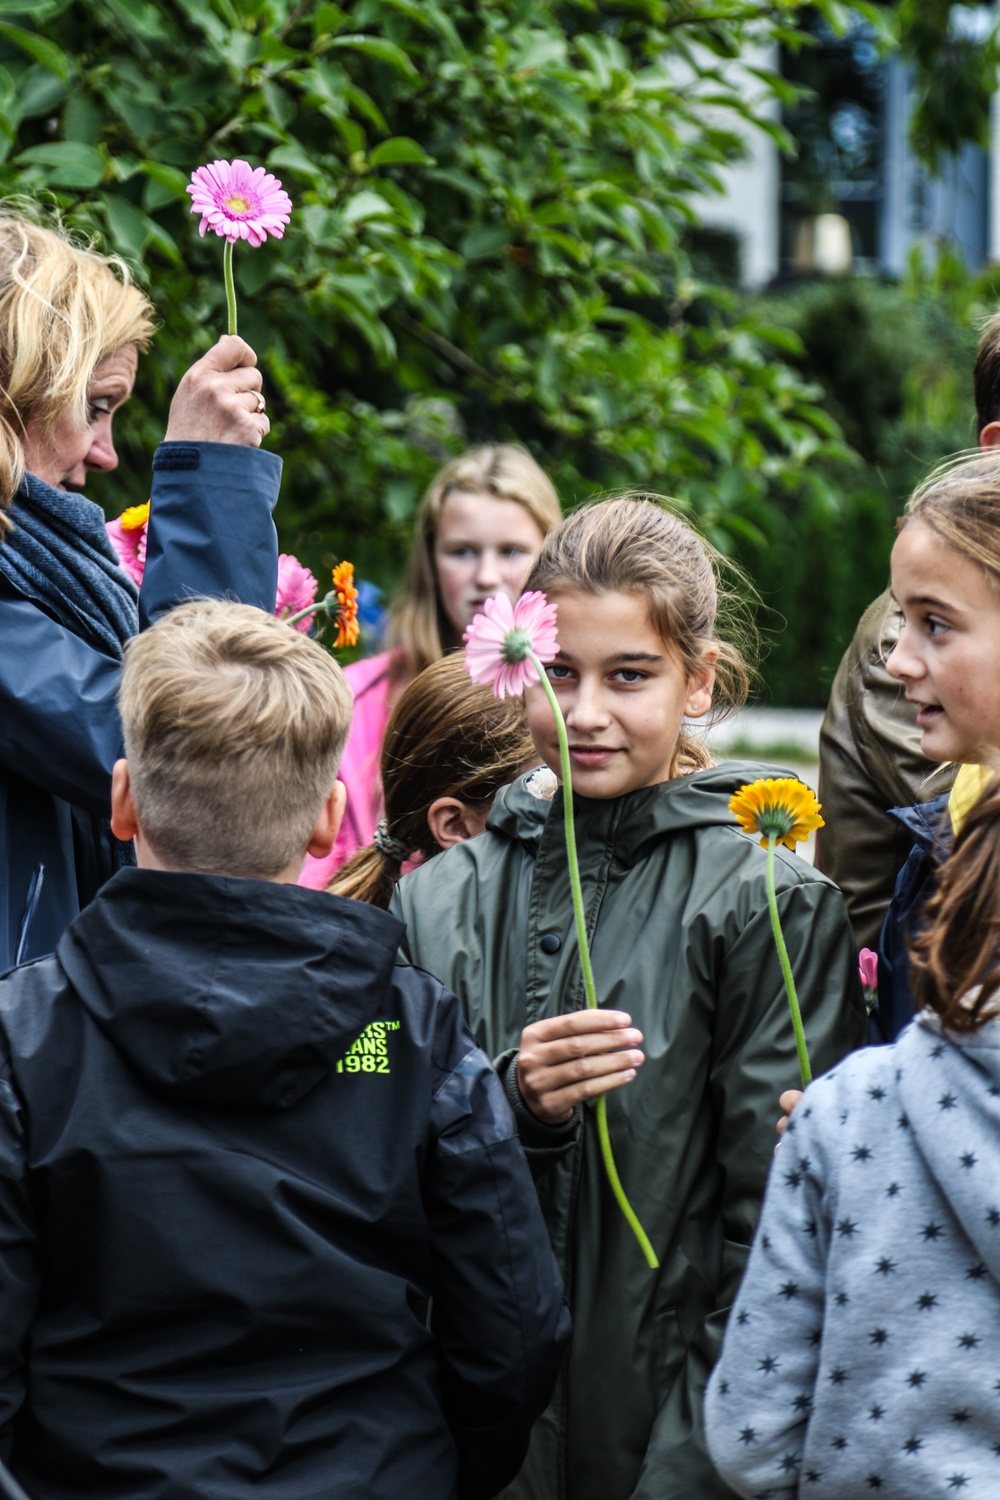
[[229, 991], [696, 801], [949, 1085], [928, 825]]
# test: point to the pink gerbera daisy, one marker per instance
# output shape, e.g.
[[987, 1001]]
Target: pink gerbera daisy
[[128, 537], [296, 591], [498, 641], [239, 202]]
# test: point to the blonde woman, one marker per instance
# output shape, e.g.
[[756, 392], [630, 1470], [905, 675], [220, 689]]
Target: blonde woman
[[72, 327], [479, 529]]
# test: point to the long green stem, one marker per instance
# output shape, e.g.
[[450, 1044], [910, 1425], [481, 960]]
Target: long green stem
[[786, 968], [589, 990], [227, 275], [310, 609]]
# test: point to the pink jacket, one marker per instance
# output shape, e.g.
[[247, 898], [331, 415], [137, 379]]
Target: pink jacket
[[359, 768]]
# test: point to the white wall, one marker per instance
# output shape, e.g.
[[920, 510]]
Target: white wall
[[749, 206]]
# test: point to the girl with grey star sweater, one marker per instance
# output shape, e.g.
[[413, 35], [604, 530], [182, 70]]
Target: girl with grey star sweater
[[863, 1352]]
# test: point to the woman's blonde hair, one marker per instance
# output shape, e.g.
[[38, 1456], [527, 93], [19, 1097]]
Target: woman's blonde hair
[[506, 471], [447, 737], [960, 501], [634, 544], [63, 309]]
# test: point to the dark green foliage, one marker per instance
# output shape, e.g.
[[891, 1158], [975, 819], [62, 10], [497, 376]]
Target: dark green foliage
[[896, 366], [490, 200], [956, 71]]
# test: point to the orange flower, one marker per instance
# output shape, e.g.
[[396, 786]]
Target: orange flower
[[781, 806], [346, 604]]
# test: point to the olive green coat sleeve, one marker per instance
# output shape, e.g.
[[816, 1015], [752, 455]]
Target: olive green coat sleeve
[[870, 761]]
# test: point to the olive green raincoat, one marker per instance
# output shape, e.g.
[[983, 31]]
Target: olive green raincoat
[[681, 939]]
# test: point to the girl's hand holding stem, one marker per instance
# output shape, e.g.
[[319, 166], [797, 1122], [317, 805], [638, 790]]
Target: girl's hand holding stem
[[564, 1060], [787, 1102]]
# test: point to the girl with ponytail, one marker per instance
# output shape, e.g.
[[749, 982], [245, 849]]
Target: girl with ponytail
[[449, 747]]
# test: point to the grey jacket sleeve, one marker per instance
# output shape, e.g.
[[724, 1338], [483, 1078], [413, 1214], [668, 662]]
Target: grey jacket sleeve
[[761, 1392], [754, 1060]]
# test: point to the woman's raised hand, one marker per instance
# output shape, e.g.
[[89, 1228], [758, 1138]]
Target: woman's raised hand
[[566, 1059], [219, 399]]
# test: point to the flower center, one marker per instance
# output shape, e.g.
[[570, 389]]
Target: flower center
[[775, 818], [237, 205], [516, 645]]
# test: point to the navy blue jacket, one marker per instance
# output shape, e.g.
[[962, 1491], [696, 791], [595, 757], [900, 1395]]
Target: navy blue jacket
[[210, 532], [265, 1227], [929, 826]]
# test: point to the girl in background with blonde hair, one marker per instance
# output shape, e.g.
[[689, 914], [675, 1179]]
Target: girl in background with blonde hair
[[72, 326], [479, 528], [449, 747]]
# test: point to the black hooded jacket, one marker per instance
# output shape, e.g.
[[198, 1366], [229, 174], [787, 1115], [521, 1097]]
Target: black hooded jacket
[[240, 1154]]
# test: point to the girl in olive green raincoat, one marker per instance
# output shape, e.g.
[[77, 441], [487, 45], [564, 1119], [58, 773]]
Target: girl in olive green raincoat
[[692, 1041]]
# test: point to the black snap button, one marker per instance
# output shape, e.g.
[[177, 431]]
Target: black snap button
[[551, 942]]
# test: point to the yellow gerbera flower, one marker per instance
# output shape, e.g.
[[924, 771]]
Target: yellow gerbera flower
[[781, 806], [134, 517], [347, 604]]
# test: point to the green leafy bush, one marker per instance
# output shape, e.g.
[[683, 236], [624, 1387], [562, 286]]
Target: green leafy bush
[[487, 242], [895, 363]]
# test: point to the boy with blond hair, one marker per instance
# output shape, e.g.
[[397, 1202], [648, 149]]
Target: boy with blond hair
[[265, 1227]]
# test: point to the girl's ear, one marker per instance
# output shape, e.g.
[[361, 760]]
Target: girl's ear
[[700, 685], [452, 821]]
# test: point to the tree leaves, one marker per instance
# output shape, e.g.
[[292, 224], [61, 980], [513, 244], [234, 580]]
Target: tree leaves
[[491, 204], [66, 163]]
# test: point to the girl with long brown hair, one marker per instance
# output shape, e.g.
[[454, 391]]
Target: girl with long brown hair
[[449, 748]]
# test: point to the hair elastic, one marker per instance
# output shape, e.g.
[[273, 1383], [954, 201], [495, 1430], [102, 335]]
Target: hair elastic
[[386, 844]]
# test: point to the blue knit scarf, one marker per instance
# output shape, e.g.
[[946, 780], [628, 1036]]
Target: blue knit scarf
[[59, 555]]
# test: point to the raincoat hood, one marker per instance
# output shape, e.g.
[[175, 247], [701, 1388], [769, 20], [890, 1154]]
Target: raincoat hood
[[950, 1090], [700, 800], [225, 990]]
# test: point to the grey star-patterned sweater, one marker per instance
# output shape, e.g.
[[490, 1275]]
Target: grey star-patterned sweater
[[862, 1354]]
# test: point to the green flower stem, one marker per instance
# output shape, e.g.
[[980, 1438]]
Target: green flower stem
[[310, 609], [585, 964], [786, 968], [328, 603], [227, 273]]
